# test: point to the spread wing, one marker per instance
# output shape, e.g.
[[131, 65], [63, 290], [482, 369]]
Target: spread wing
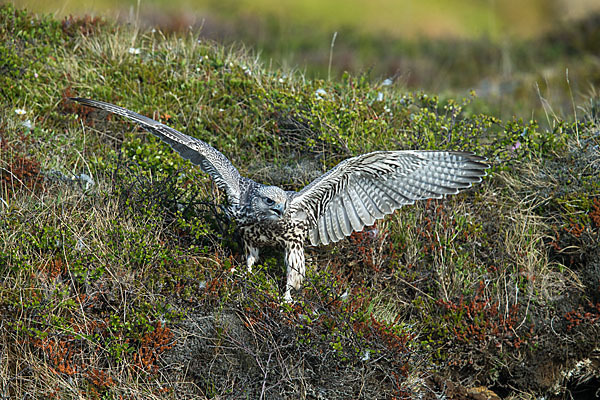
[[213, 162], [362, 189]]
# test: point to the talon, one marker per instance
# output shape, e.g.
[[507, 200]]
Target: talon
[[287, 298]]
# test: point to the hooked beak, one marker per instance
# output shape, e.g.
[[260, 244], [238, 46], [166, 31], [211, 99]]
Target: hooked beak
[[279, 209], [276, 211]]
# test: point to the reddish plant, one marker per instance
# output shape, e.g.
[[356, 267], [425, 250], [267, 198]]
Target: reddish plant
[[590, 314], [479, 320], [18, 170], [152, 345], [59, 353], [595, 212], [86, 25]]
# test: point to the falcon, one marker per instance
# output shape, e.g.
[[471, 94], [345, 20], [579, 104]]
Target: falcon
[[350, 196]]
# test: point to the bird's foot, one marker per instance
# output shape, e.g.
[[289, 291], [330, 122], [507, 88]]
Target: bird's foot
[[287, 297]]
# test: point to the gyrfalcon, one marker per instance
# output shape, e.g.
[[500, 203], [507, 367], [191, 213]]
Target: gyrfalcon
[[352, 195]]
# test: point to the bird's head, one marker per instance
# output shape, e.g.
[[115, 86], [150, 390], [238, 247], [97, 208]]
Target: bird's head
[[270, 203]]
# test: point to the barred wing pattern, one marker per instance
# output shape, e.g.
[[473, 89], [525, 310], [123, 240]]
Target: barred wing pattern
[[210, 160], [360, 190]]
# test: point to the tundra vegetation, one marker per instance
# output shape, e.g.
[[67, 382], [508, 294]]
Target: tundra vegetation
[[122, 278]]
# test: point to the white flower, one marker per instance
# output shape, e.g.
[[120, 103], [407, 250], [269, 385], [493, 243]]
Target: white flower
[[27, 124], [86, 181], [387, 82], [281, 80], [380, 96], [366, 356], [20, 111], [153, 30], [320, 93], [134, 50]]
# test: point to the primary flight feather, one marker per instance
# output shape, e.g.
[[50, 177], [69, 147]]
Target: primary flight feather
[[350, 196]]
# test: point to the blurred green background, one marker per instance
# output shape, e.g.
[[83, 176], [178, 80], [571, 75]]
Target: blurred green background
[[533, 58], [406, 18]]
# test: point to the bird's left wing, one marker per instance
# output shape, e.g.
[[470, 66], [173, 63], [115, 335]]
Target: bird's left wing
[[362, 189], [212, 161]]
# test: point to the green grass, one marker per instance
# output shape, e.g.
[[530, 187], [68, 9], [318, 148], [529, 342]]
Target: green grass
[[135, 286]]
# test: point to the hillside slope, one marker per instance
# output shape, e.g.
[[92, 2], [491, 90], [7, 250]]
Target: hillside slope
[[123, 279]]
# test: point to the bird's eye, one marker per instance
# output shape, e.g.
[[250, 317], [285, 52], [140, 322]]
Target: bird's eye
[[269, 201]]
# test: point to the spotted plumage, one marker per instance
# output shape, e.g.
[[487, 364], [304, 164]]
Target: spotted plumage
[[354, 194]]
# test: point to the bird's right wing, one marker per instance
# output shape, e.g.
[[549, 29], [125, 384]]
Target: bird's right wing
[[213, 162], [363, 189]]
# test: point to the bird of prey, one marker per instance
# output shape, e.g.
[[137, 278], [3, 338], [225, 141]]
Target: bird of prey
[[350, 196]]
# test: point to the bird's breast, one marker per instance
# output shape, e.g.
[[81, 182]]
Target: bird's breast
[[272, 233]]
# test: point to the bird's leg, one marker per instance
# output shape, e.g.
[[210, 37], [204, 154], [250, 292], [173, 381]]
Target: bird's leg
[[294, 262], [251, 255]]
